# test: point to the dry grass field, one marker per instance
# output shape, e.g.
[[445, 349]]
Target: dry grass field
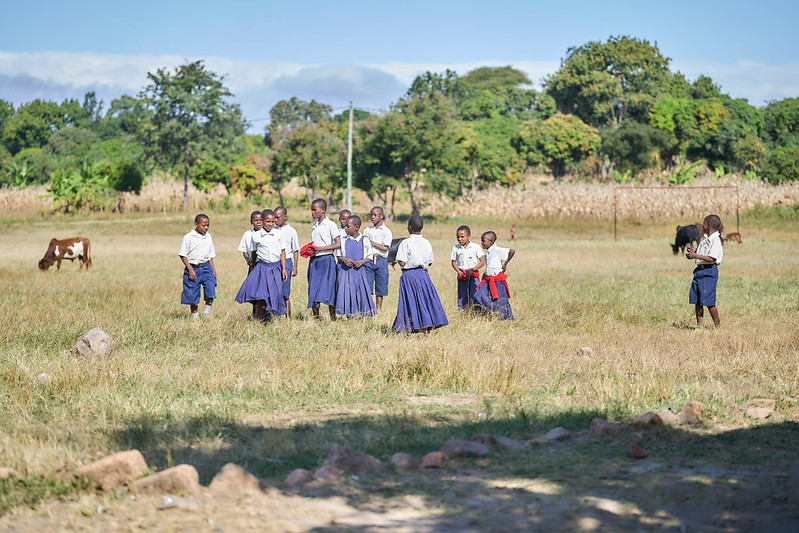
[[274, 398]]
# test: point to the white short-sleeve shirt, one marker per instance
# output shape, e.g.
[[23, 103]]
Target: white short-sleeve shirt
[[198, 249], [368, 249], [380, 235], [710, 245], [467, 256], [269, 245], [324, 233], [415, 251], [246, 244], [291, 238], [495, 256]]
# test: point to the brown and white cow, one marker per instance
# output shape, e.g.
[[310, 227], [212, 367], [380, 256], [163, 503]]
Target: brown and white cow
[[72, 248]]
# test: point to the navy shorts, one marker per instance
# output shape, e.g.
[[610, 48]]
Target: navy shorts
[[377, 276], [191, 289], [703, 286], [287, 283]]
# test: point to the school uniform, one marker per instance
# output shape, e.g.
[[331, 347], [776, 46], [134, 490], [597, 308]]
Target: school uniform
[[292, 241], [353, 297], [265, 282], [492, 293], [378, 269], [467, 257], [322, 265], [706, 274], [199, 250], [419, 307]]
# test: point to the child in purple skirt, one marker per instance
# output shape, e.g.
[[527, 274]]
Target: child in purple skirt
[[353, 295], [322, 265], [264, 284], [492, 295], [419, 307]]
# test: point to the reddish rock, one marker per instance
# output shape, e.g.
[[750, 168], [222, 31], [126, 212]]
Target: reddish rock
[[114, 470], [346, 459], [403, 461], [760, 408], [668, 416], [691, 412], [326, 473], [298, 476], [464, 448], [433, 460], [647, 420], [232, 479], [500, 441], [176, 480], [557, 434], [636, 451], [600, 426], [6, 472]]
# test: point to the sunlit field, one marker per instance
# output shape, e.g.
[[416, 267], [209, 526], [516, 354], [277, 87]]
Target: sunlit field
[[275, 397]]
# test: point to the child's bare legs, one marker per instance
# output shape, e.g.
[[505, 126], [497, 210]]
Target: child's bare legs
[[315, 310], [332, 309], [259, 309], [379, 302], [714, 314], [288, 308]]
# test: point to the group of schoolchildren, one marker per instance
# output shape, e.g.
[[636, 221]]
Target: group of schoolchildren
[[347, 268]]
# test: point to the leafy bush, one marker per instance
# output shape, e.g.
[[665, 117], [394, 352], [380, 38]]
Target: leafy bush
[[782, 165], [635, 146], [126, 176]]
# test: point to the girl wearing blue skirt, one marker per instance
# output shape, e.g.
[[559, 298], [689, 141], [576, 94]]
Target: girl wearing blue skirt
[[353, 294], [419, 307], [264, 284], [322, 266], [492, 295]]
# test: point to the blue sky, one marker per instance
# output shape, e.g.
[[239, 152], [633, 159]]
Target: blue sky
[[370, 51]]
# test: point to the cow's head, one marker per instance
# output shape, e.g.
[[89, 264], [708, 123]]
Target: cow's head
[[45, 263], [675, 249]]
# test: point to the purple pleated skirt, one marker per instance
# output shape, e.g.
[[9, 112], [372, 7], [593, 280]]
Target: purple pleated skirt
[[322, 280], [499, 307], [265, 282], [419, 307], [353, 297]]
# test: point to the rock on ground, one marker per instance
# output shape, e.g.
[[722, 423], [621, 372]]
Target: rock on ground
[[114, 470], [94, 342], [463, 448], [233, 478], [352, 461], [691, 412], [601, 426], [178, 479]]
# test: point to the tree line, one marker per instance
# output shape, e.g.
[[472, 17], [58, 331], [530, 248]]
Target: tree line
[[614, 110]]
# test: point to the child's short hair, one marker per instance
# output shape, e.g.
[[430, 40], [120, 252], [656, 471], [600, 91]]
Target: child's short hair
[[464, 228], [267, 212], [379, 208], [415, 223], [280, 209], [490, 234], [714, 221], [345, 211], [201, 216], [356, 221], [320, 202], [252, 215]]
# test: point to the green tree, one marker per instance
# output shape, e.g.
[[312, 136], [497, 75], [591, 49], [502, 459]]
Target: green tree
[[189, 118], [556, 142], [634, 146], [314, 153], [357, 116], [253, 176], [32, 125], [606, 83], [287, 115], [782, 164], [781, 122], [416, 144], [125, 176], [488, 152], [490, 78]]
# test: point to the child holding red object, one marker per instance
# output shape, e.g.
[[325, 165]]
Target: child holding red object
[[492, 293], [467, 260]]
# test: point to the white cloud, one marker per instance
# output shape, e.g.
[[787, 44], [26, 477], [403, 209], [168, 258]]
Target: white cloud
[[258, 85]]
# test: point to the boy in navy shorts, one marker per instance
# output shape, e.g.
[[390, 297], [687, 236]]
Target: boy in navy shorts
[[197, 253], [380, 237], [706, 274]]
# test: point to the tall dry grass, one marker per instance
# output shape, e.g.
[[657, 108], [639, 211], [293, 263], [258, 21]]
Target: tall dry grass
[[196, 391]]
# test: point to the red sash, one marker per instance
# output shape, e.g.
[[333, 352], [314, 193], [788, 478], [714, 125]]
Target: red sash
[[492, 284], [308, 250], [463, 276]]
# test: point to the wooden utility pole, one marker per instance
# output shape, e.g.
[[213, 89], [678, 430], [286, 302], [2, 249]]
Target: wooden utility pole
[[349, 163]]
